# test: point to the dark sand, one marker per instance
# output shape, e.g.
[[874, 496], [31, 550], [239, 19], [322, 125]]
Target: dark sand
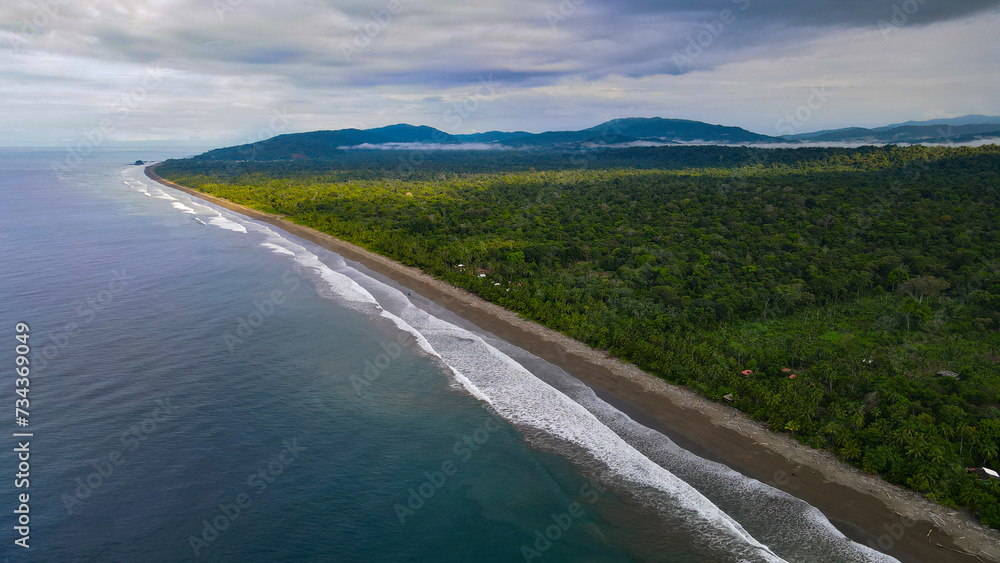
[[864, 508]]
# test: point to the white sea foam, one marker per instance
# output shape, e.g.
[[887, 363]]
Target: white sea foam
[[140, 188], [224, 223], [277, 249], [182, 207], [426, 346], [342, 288], [196, 204], [335, 285], [200, 221]]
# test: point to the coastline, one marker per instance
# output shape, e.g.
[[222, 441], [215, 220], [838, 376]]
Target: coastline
[[863, 507]]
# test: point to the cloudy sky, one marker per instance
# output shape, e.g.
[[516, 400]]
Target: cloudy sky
[[211, 72]]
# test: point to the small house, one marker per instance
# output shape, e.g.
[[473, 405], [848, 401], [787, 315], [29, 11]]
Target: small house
[[984, 473], [946, 373]]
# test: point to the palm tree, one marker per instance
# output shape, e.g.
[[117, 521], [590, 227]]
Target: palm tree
[[936, 456], [989, 451], [966, 432], [917, 448], [919, 481]]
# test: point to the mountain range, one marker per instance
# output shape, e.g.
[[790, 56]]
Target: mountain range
[[617, 133], [959, 129]]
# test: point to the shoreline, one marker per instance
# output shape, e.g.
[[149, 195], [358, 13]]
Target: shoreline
[[864, 508]]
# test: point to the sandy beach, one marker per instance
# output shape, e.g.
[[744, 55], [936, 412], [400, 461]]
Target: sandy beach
[[865, 508]]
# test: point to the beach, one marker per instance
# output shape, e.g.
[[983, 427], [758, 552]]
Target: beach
[[864, 508]]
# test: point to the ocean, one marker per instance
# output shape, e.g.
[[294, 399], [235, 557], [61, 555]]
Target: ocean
[[207, 387]]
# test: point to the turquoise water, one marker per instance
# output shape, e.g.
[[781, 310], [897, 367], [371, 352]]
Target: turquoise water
[[205, 387]]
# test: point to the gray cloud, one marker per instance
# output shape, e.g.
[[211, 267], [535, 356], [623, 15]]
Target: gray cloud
[[814, 13]]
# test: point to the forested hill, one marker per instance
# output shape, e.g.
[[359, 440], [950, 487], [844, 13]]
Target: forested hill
[[617, 133], [820, 291], [322, 145], [906, 134]]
